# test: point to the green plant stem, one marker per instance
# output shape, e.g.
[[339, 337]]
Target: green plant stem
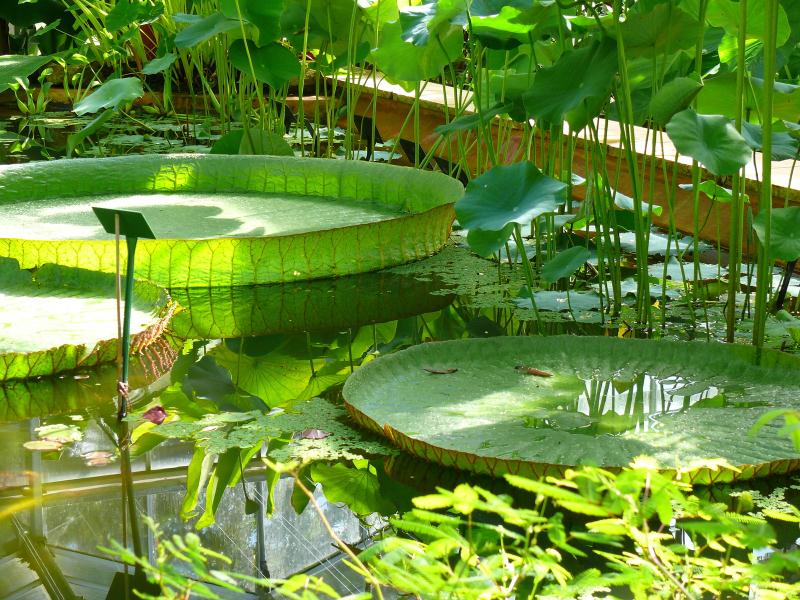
[[737, 200], [764, 276]]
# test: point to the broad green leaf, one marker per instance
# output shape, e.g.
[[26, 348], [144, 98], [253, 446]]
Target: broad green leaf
[[228, 220], [711, 140], [61, 319], [197, 475], [217, 433], [127, 12], [547, 300], [784, 145], [228, 143], [784, 239], [506, 195], [257, 141], [205, 29], [718, 96], [713, 191], [265, 15], [159, 65], [273, 64], [492, 416], [565, 263], [422, 21], [359, 489], [509, 24], [408, 64], [15, 66], [579, 75], [333, 27], [227, 468], [252, 141], [725, 14], [624, 202], [673, 97], [664, 28], [114, 93], [277, 377], [92, 127]]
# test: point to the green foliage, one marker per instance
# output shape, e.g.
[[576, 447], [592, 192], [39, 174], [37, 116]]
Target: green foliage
[[114, 93], [711, 140], [592, 532], [502, 197], [13, 68], [673, 97], [273, 63], [581, 79], [565, 263], [784, 241]]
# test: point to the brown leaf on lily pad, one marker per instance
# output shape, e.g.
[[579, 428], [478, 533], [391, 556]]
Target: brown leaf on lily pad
[[155, 415], [314, 434], [439, 371], [43, 445], [525, 370]]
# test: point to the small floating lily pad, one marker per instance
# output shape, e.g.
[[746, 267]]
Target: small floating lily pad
[[689, 405], [60, 319], [227, 220]]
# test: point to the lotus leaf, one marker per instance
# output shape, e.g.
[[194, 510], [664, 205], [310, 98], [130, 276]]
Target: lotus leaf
[[712, 140], [227, 220], [61, 319], [691, 406]]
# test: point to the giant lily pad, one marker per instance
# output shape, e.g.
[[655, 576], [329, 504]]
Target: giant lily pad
[[325, 304], [227, 220], [537, 405], [61, 319]]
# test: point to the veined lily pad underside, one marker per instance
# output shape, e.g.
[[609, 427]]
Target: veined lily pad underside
[[540, 405], [227, 220], [60, 319]]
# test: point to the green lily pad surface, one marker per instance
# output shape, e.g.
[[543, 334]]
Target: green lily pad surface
[[227, 220], [539, 405], [325, 304], [60, 319]]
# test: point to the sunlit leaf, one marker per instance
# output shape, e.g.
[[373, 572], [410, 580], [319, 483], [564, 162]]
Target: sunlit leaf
[[712, 140], [784, 240], [114, 93]]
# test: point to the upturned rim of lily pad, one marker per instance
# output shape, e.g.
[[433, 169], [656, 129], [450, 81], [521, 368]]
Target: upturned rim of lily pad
[[56, 282], [422, 200]]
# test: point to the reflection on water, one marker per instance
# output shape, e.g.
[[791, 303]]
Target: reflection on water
[[612, 406], [273, 345], [70, 496]]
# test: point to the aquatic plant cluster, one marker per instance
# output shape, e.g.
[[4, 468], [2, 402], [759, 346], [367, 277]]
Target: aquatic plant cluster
[[389, 260]]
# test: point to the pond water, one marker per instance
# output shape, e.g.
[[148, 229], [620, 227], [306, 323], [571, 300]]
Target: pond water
[[254, 351]]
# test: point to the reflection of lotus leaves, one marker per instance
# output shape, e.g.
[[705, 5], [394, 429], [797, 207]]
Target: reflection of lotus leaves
[[484, 419]]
